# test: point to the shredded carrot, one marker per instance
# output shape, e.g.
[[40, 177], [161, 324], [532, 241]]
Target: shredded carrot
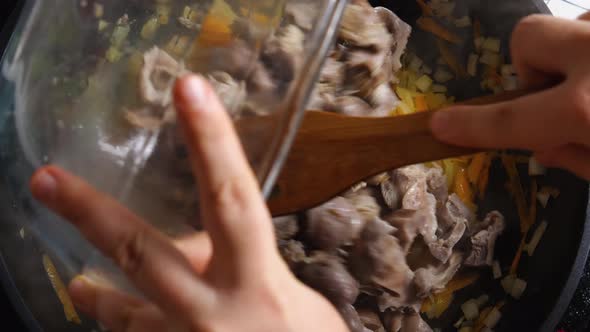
[[482, 184], [450, 59], [479, 323], [476, 167], [459, 282], [439, 303], [518, 255], [420, 103], [426, 10], [61, 291], [492, 74], [429, 24], [517, 191], [476, 28], [462, 187]]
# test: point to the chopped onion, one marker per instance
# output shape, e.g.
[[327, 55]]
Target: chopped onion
[[492, 44], [103, 25], [510, 83], [489, 58], [423, 83], [21, 232], [149, 29], [470, 309], [518, 288], [508, 283], [442, 75], [459, 322], [535, 168], [497, 270], [463, 22], [507, 70], [537, 236], [427, 70], [543, 198], [415, 64], [438, 88], [480, 301], [493, 318], [98, 10], [472, 64]]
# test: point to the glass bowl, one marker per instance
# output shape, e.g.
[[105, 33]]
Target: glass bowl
[[86, 85]]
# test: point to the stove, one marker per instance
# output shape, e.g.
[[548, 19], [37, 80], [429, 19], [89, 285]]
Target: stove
[[577, 316]]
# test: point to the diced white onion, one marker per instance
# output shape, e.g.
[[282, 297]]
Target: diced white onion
[[442, 75], [427, 70], [472, 64], [497, 270], [463, 22], [470, 310], [480, 301], [518, 288], [510, 83], [535, 168], [459, 322], [508, 283], [423, 83], [507, 70], [492, 45], [438, 88], [490, 59], [98, 10], [543, 198], [537, 236], [493, 318], [415, 64]]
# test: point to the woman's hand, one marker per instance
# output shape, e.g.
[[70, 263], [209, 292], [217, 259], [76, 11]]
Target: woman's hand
[[555, 123], [230, 278]]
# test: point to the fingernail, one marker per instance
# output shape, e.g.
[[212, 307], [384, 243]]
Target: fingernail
[[194, 94], [440, 124], [78, 284], [44, 186]]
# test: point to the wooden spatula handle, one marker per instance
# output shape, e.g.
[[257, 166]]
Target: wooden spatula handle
[[333, 152]]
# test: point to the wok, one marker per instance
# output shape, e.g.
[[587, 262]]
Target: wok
[[552, 273]]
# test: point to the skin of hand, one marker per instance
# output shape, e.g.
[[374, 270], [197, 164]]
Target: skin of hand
[[553, 123], [229, 278]]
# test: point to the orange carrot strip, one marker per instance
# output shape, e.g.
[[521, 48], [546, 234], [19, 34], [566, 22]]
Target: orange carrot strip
[[426, 10], [517, 191], [518, 255], [484, 179], [476, 167], [429, 24], [450, 59]]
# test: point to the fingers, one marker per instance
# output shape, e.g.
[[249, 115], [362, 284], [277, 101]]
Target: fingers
[[574, 158], [145, 255], [537, 122], [197, 249], [585, 17], [117, 311], [546, 48], [234, 213]]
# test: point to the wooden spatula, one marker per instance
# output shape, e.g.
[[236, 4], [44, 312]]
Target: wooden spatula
[[333, 152]]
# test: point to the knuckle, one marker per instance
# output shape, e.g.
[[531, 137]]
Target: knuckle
[[232, 195], [129, 252]]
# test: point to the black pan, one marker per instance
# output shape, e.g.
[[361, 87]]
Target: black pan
[[552, 273]]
